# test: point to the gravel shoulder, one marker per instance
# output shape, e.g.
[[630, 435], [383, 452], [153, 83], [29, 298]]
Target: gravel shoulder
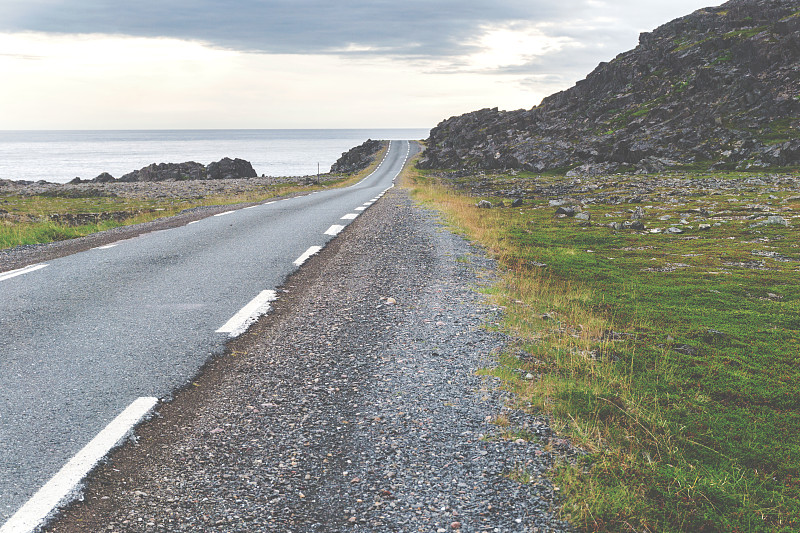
[[353, 406]]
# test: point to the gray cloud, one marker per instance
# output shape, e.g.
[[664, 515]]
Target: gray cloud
[[409, 28]]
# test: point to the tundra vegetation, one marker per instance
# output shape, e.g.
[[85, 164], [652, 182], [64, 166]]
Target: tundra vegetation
[[670, 357]]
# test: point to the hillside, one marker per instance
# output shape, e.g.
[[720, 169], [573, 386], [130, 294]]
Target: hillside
[[719, 88]]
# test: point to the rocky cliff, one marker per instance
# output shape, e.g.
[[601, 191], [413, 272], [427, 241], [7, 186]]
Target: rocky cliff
[[718, 88], [358, 158]]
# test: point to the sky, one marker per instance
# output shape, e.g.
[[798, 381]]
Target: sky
[[186, 64]]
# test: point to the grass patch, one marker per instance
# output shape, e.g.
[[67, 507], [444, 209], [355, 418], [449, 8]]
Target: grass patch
[[671, 359]]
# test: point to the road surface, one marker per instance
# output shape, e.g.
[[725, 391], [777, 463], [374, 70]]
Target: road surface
[[85, 336]]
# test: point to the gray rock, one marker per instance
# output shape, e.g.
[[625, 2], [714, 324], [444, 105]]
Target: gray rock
[[636, 225], [566, 211], [517, 203], [227, 168], [771, 220], [358, 158], [583, 216], [648, 109], [105, 177], [484, 204], [167, 171], [674, 230]]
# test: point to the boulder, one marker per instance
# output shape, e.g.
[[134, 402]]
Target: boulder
[[227, 168], [105, 177], [484, 204]]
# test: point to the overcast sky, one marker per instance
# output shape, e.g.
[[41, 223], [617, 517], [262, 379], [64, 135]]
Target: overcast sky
[[111, 64]]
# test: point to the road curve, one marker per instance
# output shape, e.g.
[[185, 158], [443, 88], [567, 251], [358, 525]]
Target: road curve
[[84, 336]]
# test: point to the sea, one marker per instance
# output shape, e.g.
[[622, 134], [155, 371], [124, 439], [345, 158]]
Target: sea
[[60, 156]]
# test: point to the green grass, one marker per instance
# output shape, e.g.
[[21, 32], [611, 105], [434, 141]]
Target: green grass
[[673, 360]]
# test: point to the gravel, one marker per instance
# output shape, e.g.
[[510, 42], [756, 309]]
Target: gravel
[[354, 406]]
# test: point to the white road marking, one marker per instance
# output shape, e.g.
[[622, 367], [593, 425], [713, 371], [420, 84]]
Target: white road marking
[[251, 207], [242, 320], [105, 247], [379, 164], [193, 222], [350, 216], [334, 230], [308, 253], [362, 208], [20, 271], [269, 203], [223, 214], [63, 486]]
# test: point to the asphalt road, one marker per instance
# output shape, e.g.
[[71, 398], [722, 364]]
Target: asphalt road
[[86, 335]]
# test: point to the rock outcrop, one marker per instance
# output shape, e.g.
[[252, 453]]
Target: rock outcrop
[[718, 88], [358, 158], [226, 168]]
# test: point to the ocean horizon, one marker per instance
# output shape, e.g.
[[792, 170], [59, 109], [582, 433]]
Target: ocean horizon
[[59, 156]]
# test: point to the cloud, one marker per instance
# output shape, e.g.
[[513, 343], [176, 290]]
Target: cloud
[[301, 63], [412, 28]]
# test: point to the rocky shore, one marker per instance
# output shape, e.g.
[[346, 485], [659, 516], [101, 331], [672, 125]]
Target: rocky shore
[[190, 179]]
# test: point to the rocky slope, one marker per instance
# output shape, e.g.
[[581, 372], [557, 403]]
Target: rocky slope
[[358, 158], [719, 88]]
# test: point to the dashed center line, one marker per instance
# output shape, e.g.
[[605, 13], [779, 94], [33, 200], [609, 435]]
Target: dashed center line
[[308, 253], [334, 230], [20, 271], [242, 320]]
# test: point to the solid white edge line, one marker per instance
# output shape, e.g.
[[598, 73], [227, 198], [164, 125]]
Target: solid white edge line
[[106, 247], [223, 214], [20, 271], [63, 486], [248, 314], [193, 222], [306, 255], [350, 216]]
